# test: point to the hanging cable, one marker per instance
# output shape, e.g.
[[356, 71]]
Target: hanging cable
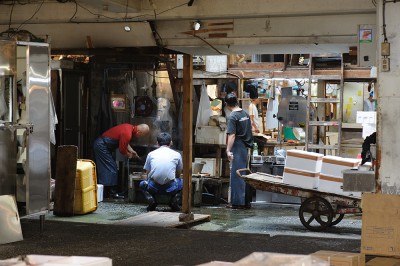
[[384, 21], [76, 11], [9, 21], [36, 11], [209, 44]]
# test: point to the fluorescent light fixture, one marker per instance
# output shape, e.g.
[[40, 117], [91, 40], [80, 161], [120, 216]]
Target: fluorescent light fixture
[[196, 25]]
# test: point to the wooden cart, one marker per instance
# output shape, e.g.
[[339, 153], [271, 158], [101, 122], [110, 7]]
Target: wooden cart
[[318, 211]]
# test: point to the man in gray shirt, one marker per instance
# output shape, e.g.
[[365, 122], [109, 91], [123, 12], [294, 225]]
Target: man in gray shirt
[[163, 167], [239, 141]]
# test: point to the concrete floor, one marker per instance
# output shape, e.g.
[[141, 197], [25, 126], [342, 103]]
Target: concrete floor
[[229, 236]]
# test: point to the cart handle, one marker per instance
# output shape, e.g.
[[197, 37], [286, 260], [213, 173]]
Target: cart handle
[[242, 170]]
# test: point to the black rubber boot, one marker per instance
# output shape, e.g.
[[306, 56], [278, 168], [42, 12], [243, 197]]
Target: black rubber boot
[[174, 203], [150, 199], [114, 194]]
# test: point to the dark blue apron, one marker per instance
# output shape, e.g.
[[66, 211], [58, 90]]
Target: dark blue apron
[[107, 171], [238, 185]]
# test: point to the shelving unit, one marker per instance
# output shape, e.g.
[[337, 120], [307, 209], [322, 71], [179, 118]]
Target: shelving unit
[[322, 103]]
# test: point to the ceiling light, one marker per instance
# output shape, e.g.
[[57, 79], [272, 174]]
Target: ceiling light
[[127, 28], [196, 25]]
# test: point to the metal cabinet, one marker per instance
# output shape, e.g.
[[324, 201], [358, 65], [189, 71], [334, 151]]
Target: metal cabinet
[[27, 123]]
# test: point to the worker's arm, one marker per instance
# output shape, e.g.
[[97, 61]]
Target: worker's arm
[[229, 145], [178, 173], [130, 152], [179, 167], [253, 124]]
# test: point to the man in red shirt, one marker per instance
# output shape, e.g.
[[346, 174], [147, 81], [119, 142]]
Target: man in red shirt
[[116, 137]]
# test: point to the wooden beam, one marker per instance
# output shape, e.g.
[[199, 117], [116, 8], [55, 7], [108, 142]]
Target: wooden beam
[[187, 134]]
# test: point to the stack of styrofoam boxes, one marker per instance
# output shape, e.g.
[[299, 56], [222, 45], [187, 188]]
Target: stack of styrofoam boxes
[[302, 168], [368, 121], [331, 177]]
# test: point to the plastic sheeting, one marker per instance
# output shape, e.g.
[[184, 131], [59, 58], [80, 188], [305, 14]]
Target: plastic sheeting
[[53, 119], [204, 112]]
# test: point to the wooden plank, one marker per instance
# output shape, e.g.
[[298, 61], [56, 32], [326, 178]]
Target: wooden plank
[[220, 23], [217, 35], [187, 132], [192, 32], [64, 191], [161, 219]]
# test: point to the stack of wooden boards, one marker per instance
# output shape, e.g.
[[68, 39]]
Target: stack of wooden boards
[[76, 183]]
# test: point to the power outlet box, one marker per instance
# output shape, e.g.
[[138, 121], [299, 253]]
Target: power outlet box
[[385, 64], [385, 49]]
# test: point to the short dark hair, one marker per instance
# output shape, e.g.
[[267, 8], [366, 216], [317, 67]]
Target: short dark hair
[[253, 92], [164, 139], [231, 99]]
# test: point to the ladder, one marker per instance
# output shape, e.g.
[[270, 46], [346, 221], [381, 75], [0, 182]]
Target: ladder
[[326, 71]]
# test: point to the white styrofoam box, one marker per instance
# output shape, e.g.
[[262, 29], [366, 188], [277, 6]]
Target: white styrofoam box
[[100, 192], [303, 179], [210, 167], [332, 184], [304, 160], [334, 165], [45, 260], [355, 194], [366, 117], [368, 129], [210, 135]]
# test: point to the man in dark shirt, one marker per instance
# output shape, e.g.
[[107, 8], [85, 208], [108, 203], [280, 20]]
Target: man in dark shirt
[[239, 142], [116, 137]]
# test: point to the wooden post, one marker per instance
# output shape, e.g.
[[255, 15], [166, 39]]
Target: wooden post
[[187, 138]]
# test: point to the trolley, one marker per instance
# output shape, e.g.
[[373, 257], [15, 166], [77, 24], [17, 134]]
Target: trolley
[[318, 211]]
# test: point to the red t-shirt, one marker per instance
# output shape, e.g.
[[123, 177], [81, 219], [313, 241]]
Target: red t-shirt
[[123, 133]]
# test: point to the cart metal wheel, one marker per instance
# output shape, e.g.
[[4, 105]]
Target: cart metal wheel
[[337, 219], [316, 214]]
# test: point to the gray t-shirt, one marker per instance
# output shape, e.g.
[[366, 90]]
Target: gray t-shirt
[[162, 164], [239, 123]]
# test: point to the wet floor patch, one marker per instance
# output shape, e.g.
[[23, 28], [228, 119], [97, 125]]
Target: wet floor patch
[[270, 219]]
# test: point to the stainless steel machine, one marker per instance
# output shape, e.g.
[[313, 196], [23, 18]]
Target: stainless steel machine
[[25, 124], [292, 109]]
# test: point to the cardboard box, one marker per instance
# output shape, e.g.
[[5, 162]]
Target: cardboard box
[[336, 258], [334, 165], [303, 179], [380, 232], [304, 160], [383, 262], [210, 135]]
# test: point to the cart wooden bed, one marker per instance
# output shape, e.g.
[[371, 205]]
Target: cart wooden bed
[[318, 211]]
